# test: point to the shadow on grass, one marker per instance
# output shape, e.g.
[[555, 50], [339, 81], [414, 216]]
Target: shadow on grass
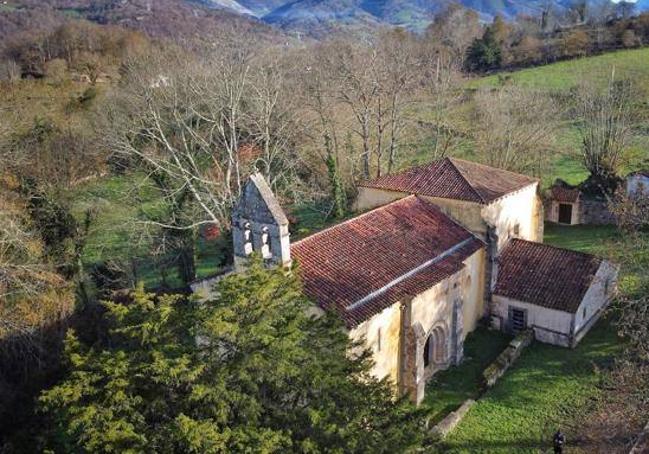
[[448, 389]]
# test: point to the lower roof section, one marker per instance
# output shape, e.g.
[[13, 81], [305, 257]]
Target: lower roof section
[[545, 275]]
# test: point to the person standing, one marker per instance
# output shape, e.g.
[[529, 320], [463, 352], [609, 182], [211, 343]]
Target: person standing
[[559, 441]]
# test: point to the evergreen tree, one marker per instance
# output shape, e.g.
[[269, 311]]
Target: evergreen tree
[[485, 53], [249, 371], [337, 189]]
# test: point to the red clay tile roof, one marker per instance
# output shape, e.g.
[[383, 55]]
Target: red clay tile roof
[[452, 178], [563, 194], [545, 275], [364, 265]]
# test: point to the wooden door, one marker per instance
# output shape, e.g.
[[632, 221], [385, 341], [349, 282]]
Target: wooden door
[[565, 213]]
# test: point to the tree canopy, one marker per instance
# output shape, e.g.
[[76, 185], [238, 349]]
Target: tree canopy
[[249, 370]]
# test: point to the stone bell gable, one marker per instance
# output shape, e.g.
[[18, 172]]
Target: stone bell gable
[[259, 225]]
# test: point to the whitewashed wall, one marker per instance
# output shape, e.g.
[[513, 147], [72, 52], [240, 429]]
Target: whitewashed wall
[[637, 185], [551, 326], [428, 308], [522, 208], [598, 295], [387, 326]]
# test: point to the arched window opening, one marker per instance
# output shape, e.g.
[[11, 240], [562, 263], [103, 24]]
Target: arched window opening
[[427, 351], [247, 239], [265, 244], [439, 339]]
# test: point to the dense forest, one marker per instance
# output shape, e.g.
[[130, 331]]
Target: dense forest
[[125, 140]]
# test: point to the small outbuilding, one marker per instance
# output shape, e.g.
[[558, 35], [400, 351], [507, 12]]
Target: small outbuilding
[[558, 293], [563, 205], [586, 203], [637, 184]]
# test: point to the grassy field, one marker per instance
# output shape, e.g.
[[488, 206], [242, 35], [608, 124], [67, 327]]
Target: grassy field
[[117, 204], [629, 64], [544, 390], [560, 78], [584, 238]]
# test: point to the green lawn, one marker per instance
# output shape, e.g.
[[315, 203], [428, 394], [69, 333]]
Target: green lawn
[[448, 389], [546, 387], [592, 239], [115, 233], [631, 64]]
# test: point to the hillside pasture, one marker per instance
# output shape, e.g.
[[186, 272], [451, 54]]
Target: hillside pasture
[[624, 64]]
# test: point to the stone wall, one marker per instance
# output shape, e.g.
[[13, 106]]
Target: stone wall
[[446, 425], [496, 370], [595, 212]]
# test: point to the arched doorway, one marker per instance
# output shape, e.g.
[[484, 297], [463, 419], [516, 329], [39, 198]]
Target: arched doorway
[[436, 347]]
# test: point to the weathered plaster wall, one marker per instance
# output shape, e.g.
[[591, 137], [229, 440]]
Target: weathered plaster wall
[[428, 309], [521, 208], [473, 291], [370, 198], [598, 295], [435, 304], [466, 213], [550, 326], [385, 325]]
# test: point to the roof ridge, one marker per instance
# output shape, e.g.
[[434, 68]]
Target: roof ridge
[[347, 221], [551, 246], [432, 261], [450, 160], [400, 172], [479, 164]]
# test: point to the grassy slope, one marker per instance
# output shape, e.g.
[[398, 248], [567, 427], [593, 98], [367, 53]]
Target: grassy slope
[[562, 76], [630, 64], [547, 386]]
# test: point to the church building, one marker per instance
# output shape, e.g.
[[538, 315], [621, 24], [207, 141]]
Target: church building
[[413, 274]]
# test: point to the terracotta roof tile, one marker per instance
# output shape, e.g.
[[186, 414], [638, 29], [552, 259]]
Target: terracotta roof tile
[[398, 245], [545, 275], [452, 178], [563, 194]]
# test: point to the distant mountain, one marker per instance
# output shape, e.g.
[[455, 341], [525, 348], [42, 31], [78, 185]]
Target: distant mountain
[[262, 7], [186, 21], [231, 5], [320, 17]]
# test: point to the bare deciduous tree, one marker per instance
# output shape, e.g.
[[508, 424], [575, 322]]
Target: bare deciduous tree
[[189, 123], [514, 128], [604, 122]]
